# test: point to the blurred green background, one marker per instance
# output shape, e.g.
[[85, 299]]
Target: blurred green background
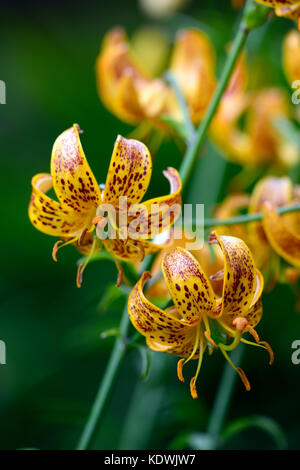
[[55, 357]]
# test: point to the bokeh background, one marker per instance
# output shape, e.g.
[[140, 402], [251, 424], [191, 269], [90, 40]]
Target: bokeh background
[[55, 356]]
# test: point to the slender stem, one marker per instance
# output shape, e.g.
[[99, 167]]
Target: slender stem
[[183, 106], [191, 156], [223, 396], [106, 383], [245, 219]]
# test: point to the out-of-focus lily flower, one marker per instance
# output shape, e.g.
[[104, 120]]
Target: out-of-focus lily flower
[[285, 8], [277, 235], [161, 8], [200, 319], [291, 56], [132, 95], [259, 142], [73, 218]]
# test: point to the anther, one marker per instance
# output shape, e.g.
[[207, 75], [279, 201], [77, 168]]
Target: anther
[[179, 369], [193, 388], [55, 250]]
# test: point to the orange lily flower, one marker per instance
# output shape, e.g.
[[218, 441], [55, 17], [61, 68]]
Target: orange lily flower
[[277, 235], [200, 319], [285, 8], [73, 218], [128, 92]]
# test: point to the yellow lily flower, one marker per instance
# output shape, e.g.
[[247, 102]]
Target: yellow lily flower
[[133, 96], [276, 235], [291, 56], [285, 8], [73, 218], [188, 327]]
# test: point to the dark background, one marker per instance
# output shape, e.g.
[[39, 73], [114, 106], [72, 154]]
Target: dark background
[[55, 357]]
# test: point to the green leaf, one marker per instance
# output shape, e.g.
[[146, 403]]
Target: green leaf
[[264, 423]]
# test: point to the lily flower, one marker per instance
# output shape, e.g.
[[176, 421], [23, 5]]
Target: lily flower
[[285, 8], [276, 236], [74, 217], [199, 319], [259, 142], [133, 96]]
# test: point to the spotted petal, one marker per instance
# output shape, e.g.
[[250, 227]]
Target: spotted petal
[[151, 321], [162, 212], [129, 172], [284, 240], [277, 191], [240, 277], [48, 215], [73, 180], [189, 286]]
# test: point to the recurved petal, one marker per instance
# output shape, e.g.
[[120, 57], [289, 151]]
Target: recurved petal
[[240, 279], [73, 180], [152, 322], [183, 347], [253, 315], [278, 192], [129, 172], [283, 240], [48, 215], [189, 286], [162, 212]]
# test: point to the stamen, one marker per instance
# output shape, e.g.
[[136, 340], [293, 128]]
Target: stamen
[[237, 369], [253, 333], [82, 267], [210, 340], [55, 249], [207, 333], [269, 349], [60, 243], [264, 345], [193, 388], [194, 379], [179, 369], [120, 275]]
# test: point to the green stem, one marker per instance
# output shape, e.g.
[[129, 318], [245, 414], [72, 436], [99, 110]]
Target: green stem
[[245, 219], [191, 156], [106, 383], [223, 396]]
